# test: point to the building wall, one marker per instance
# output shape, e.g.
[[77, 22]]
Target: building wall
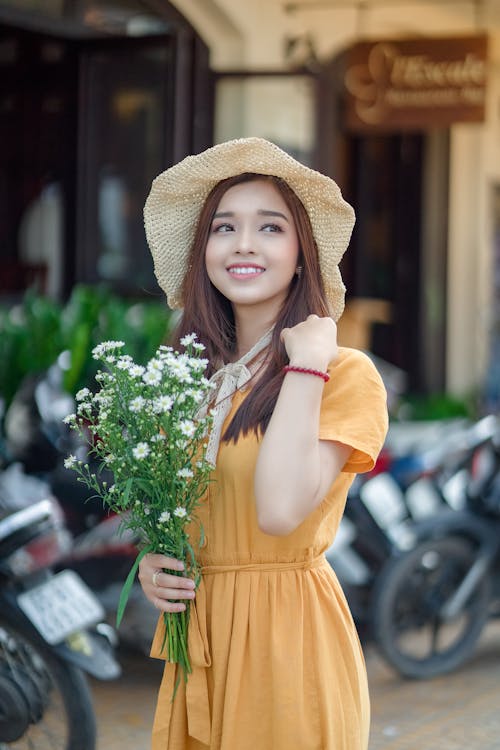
[[474, 171], [256, 36]]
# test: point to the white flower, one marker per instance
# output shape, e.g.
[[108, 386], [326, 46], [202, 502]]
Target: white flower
[[108, 459], [142, 450], [110, 359], [162, 404], [70, 461], [185, 473], [70, 419], [146, 510], [180, 370], [197, 364], [152, 377], [164, 517], [103, 399], [105, 377], [106, 346], [197, 396], [190, 338], [82, 393], [97, 351], [180, 512], [156, 365], [158, 438], [136, 370], [109, 345], [124, 362], [187, 428], [198, 346], [137, 404]]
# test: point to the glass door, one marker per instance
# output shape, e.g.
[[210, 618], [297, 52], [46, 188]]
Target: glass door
[[125, 140]]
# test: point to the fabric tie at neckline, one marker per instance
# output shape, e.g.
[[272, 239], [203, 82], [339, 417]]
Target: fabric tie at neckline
[[227, 381]]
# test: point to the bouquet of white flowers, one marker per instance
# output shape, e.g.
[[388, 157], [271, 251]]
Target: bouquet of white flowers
[[148, 426]]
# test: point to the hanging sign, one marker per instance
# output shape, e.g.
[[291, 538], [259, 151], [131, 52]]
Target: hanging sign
[[415, 83]]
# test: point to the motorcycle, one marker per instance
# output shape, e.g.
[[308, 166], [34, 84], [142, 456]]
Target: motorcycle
[[432, 601], [421, 470], [50, 629]]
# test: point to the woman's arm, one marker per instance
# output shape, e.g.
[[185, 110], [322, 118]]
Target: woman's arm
[[294, 468]]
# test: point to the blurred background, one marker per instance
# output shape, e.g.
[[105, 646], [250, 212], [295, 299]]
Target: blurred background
[[398, 101]]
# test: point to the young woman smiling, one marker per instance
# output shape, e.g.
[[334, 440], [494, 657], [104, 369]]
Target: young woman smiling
[[247, 241]]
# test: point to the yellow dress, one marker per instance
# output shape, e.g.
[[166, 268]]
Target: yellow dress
[[277, 663]]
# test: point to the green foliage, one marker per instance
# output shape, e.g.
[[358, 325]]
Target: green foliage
[[30, 340], [34, 332], [435, 406]]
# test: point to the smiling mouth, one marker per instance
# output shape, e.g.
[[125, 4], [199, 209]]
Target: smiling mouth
[[245, 270]]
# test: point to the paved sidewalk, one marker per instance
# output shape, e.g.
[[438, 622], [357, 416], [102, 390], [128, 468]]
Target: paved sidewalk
[[457, 712]]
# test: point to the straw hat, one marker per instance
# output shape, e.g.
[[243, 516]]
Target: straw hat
[[178, 194]]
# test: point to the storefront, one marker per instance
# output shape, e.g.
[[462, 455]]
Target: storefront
[[396, 103], [96, 98]]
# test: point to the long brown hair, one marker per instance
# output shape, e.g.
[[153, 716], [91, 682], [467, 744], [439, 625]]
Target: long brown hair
[[209, 314]]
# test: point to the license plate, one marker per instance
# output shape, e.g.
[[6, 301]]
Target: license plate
[[60, 606]]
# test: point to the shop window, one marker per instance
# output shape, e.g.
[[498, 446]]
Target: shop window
[[281, 108]]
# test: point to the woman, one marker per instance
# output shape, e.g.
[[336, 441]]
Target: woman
[[248, 242]]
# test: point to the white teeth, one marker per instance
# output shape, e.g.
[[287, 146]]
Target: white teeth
[[245, 270]]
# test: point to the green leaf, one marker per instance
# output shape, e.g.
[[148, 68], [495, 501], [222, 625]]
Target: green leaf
[[125, 592], [126, 492]]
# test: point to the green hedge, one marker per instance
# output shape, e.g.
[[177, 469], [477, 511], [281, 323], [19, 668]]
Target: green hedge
[[34, 332]]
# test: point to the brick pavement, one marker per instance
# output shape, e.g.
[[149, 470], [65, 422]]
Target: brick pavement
[[457, 712]]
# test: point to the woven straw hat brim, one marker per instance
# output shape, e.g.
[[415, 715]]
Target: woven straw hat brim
[[177, 195]]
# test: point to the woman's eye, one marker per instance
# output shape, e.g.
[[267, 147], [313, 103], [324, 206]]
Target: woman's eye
[[271, 228], [221, 228]]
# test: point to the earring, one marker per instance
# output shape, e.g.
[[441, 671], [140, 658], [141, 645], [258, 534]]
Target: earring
[[298, 271]]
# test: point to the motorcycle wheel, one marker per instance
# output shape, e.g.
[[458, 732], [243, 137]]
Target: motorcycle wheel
[[45, 703], [408, 629]]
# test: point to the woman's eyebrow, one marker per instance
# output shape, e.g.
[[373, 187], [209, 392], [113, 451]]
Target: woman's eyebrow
[[223, 214], [263, 212], [260, 212]]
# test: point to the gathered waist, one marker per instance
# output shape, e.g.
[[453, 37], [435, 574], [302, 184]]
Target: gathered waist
[[263, 567], [197, 691]]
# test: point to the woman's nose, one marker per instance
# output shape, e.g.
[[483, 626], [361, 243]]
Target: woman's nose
[[245, 241]]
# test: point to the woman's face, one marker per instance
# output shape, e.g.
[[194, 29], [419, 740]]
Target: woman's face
[[253, 247]]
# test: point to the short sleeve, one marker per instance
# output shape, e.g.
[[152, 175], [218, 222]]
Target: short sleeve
[[354, 409]]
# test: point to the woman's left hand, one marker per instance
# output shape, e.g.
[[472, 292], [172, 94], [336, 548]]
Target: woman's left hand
[[312, 343]]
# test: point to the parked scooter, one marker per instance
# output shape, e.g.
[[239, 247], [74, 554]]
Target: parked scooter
[[431, 602], [101, 553], [419, 472], [49, 627]]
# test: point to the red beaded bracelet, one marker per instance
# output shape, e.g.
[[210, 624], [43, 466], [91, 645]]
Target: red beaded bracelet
[[307, 371]]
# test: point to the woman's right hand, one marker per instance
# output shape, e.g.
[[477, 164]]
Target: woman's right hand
[[160, 586]]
